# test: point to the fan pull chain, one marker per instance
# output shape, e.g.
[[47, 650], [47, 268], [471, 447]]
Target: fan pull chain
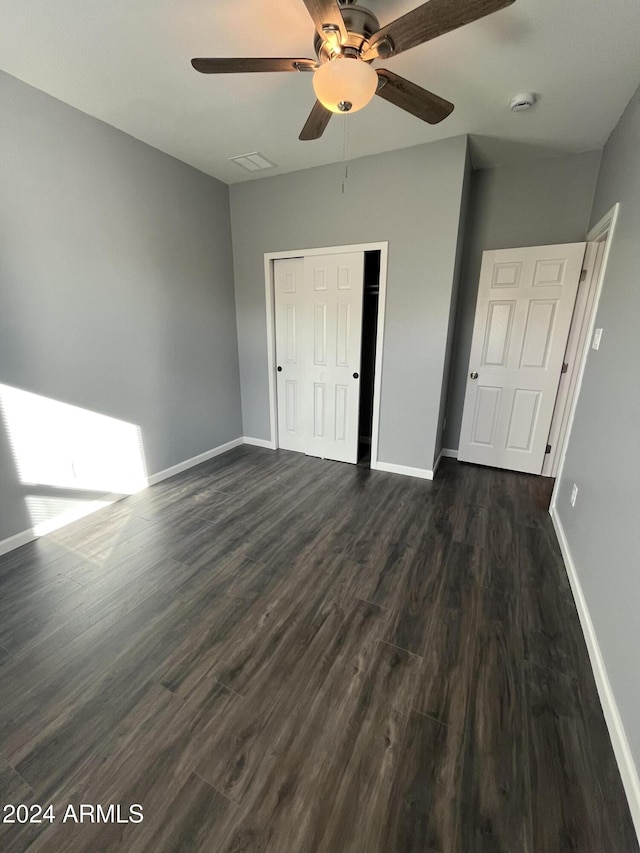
[[345, 152]]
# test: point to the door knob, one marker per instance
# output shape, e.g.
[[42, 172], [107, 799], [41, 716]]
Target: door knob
[[279, 369], [355, 375], [473, 375]]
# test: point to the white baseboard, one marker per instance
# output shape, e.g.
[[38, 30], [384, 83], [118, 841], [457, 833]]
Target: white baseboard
[[259, 442], [195, 460], [17, 541], [624, 758], [405, 470]]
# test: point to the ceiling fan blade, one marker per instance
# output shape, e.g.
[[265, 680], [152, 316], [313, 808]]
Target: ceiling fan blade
[[326, 14], [316, 123], [412, 98], [245, 65], [432, 19]]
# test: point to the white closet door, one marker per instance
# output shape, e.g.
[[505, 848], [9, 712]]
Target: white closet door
[[291, 354], [318, 305], [523, 315], [334, 286]]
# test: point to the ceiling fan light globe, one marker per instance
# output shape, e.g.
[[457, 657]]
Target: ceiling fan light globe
[[345, 80]]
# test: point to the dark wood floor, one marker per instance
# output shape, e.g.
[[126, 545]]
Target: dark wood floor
[[277, 653]]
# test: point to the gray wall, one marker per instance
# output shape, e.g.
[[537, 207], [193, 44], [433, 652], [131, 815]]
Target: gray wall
[[603, 457], [116, 283], [410, 198], [531, 204], [14, 517], [453, 311]]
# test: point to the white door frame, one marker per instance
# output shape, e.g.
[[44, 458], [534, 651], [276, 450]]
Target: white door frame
[[578, 333], [269, 258], [602, 232]]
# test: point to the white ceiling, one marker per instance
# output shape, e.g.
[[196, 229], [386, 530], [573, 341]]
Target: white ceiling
[[127, 63]]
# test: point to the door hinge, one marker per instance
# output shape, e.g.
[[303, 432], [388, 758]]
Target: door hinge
[[548, 450], [583, 275], [565, 367]]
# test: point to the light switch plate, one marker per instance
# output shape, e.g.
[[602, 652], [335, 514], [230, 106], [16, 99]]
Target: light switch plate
[[596, 339]]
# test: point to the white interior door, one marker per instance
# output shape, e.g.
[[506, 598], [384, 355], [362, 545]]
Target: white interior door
[[291, 354], [523, 315], [318, 306], [334, 285]]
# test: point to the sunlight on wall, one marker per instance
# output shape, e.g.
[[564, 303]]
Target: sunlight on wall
[[70, 461]]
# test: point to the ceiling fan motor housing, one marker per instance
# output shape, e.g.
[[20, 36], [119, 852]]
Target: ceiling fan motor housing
[[360, 24]]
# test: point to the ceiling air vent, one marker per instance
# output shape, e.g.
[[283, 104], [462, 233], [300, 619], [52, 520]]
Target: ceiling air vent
[[253, 162]]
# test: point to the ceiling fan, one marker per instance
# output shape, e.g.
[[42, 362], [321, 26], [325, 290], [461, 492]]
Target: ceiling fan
[[348, 39]]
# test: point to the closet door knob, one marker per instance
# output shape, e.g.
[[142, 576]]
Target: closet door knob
[[473, 375], [279, 369], [355, 375]]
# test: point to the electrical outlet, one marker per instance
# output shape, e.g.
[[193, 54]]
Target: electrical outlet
[[596, 339], [574, 494]]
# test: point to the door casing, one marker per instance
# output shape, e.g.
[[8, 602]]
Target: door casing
[[575, 344], [602, 232]]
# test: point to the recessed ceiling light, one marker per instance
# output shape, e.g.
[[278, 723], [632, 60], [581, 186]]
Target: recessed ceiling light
[[253, 162]]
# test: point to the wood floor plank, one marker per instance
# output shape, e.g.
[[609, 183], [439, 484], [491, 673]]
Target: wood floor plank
[[276, 629], [24, 583], [272, 652], [192, 821], [40, 686], [64, 740], [148, 761], [448, 669], [351, 810], [551, 629], [502, 547], [423, 811], [383, 579], [230, 647], [369, 527], [573, 806], [411, 625], [93, 538], [13, 788], [471, 524], [495, 784], [187, 820], [498, 629], [212, 505], [40, 559], [271, 740], [107, 659], [20, 625], [107, 600], [150, 539], [144, 758], [139, 558], [541, 562]]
